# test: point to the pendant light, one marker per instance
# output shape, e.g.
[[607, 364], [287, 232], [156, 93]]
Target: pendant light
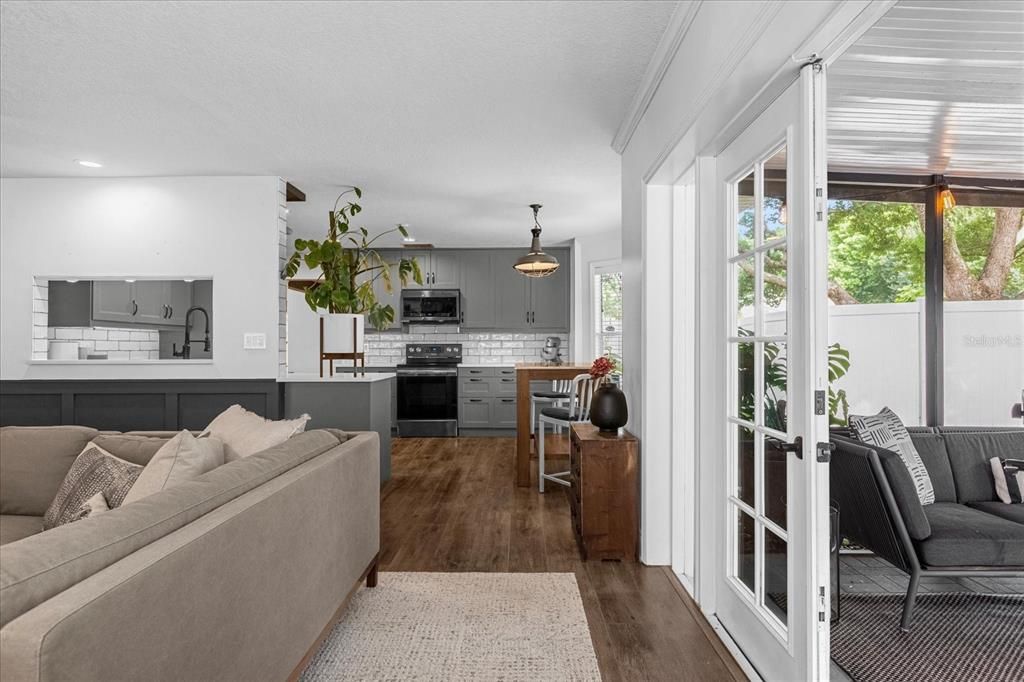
[[536, 263]]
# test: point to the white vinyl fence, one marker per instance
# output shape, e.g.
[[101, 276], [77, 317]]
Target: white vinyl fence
[[983, 359]]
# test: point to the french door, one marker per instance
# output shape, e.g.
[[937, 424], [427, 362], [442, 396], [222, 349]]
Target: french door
[[772, 570]]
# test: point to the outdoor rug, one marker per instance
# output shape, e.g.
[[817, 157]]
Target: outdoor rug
[[461, 626], [953, 636]]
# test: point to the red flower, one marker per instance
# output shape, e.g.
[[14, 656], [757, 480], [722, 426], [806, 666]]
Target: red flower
[[601, 368]]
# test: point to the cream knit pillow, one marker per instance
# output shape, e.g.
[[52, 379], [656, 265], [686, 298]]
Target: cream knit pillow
[[245, 433], [180, 459]]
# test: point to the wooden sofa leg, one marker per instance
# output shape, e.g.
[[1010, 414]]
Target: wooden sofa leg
[[371, 577], [908, 602]]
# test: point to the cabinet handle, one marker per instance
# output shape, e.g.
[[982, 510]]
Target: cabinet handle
[[476, 400], [476, 379], [135, 307], [170, 311]]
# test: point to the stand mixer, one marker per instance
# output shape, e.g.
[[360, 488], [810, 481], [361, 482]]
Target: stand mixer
[[551, 353]]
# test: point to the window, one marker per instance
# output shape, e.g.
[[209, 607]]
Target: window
[[607, 295]]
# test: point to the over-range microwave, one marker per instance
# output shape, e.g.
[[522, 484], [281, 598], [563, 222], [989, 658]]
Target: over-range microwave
[[431, 306]]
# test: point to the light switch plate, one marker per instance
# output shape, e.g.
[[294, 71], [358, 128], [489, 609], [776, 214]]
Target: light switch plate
[[254, 341]]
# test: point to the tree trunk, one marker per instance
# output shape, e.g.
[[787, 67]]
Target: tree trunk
[[836, 293]]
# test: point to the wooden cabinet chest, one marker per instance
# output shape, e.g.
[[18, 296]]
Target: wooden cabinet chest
[[605, 493]]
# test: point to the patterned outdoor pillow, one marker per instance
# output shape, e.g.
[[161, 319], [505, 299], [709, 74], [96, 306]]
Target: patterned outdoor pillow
[[1008, 475], [886, 430], [94, 471]]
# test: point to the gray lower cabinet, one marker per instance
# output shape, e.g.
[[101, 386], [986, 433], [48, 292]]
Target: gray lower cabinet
[[487, 398]]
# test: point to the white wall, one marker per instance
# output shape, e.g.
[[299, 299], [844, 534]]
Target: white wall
[[587, 251], [225, 228], [728, 54]]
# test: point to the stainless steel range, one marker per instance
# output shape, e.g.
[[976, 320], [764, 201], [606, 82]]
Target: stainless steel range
[[428, 390]]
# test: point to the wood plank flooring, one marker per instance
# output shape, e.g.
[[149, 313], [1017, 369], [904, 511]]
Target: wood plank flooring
[[452, 505]]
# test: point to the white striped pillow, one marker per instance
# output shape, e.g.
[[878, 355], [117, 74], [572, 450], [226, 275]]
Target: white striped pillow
[[886, 430]]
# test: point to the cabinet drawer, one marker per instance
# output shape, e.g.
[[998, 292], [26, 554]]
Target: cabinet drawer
[[504, 385], [475, 413], [505, 372], [476, 372], [475, 386], [504, 413]]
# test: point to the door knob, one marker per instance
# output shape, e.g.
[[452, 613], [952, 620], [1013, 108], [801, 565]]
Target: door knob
[[794, 448]]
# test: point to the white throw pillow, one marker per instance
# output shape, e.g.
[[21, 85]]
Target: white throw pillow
[[245, 433], [180, 459], [886, 430]]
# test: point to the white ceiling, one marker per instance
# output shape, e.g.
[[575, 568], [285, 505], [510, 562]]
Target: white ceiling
[[936, 86], [452, 116]]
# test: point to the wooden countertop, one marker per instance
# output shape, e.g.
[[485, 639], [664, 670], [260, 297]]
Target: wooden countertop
[[541, 365]]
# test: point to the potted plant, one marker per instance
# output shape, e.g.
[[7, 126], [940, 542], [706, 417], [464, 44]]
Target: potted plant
[[348, 267], [608, 410]]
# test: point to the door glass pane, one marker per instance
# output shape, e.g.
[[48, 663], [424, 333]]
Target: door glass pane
[[775, 383], [774, 482], [776, 573], [745, 464], [745, 214], [744, 363], [773, 293], [774, 200], [745, 563], [744, 270]]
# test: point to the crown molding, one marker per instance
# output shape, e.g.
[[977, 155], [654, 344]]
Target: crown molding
[[678, 26]]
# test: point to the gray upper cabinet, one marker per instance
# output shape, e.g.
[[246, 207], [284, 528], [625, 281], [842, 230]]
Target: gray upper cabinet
[[549, 298], [478, 291], [511, 292], [112, 301], [149, 302], [440, 269]]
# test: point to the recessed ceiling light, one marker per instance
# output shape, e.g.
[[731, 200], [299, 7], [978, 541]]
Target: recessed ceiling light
[[88, 164], [130, 281]]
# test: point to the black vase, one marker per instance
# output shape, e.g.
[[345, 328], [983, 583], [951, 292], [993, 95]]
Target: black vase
[[608, 408]]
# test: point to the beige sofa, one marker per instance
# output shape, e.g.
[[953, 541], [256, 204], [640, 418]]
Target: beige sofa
[[236, 575]]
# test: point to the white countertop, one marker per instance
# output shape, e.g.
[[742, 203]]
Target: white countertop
[[338, 378], [168, 361], [495, 366]]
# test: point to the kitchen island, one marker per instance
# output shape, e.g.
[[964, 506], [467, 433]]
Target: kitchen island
[[346, 401], [525, 373]]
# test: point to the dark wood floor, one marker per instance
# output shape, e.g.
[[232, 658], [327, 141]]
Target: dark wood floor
[[451, 505]]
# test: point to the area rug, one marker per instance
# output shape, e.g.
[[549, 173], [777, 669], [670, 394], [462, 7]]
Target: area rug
[[461, 626], [953, 636]]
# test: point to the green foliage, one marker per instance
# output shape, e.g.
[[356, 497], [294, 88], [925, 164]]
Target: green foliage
[[776, 376], [349, 266]]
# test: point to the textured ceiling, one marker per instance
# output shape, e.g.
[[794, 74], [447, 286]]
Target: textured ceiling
[[936, 86], [451, 116]]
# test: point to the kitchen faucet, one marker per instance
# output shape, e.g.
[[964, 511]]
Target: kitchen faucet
[[186, 349]]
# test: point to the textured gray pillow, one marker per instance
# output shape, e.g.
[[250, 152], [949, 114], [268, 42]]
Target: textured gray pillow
[[94, 471], [886, 430]]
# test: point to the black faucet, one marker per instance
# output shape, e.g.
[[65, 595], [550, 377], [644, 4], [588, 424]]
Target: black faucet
[[186, 349]]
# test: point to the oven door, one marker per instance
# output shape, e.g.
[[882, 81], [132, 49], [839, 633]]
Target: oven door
[[432, 306], [428, 395]]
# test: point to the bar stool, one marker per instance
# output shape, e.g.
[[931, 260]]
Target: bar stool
[[558, 395], [581, 391]]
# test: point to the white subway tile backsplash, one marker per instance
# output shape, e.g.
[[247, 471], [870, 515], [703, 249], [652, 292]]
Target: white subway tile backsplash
[[139, 336], [115, 335], [106, 345], [69, 333], [128, 345]]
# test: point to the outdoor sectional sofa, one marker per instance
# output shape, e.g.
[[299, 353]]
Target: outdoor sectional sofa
[[966, 532], [235, 575]]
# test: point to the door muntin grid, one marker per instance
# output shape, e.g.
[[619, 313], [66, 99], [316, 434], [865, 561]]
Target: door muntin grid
[[758, 339]]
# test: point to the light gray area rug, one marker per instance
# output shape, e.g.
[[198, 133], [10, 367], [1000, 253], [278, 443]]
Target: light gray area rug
[[461, 626]]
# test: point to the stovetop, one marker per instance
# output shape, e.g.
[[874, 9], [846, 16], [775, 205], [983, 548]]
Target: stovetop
[[432, 354]]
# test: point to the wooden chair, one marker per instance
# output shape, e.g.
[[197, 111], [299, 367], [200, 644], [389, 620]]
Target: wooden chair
[[581, 391]]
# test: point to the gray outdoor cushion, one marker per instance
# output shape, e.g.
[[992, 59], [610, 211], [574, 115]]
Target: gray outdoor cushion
[[962, 536], [1013, 512], [969, 455], [905, 492], [932, 449]]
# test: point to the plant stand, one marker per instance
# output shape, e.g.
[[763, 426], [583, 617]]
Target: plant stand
[[358, 359]]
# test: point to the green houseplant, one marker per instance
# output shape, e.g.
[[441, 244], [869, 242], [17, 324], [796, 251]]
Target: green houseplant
[[348, 267]]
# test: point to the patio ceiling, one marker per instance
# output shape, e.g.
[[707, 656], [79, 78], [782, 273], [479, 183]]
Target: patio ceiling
[[935, 87]]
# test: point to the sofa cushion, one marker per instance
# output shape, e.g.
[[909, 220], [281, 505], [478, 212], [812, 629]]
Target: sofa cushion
[[969, 455], [33, 462], [130, 447], [180, 459], [46, 564], [962, 536], [886, 430], [1013, 512], [932, 449], [94, 471], [905, 493], [244, 432], [15, 527]]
